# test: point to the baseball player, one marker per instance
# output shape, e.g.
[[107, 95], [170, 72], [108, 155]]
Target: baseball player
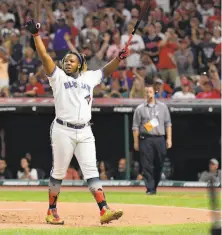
[[70, 131]]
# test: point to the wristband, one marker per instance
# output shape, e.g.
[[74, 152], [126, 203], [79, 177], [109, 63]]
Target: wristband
[[35, 34]]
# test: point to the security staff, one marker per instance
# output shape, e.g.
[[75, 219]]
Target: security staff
[[151, 122]]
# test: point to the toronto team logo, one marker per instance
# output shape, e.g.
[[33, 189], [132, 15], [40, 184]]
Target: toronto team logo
[[88, 98]]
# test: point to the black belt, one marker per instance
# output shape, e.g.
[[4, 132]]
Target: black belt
[[74, 126], [144, 136]]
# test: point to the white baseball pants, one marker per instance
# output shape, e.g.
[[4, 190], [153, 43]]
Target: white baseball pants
[[67, 142]]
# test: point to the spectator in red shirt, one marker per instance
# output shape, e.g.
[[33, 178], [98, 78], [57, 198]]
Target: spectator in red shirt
[[209, 92], [167, 63], [215, 17], [34, 88]]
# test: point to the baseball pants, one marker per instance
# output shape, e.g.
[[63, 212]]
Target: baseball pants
[[152, 154], [67, 142]]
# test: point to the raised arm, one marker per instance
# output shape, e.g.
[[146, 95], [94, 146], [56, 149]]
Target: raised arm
[[47, 62], [113, 64]]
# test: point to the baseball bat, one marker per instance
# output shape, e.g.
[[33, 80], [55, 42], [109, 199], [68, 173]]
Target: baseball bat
[[143, 12]]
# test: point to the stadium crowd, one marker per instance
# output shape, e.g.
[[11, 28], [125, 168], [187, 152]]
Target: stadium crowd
[[178, 51], [107, 171]]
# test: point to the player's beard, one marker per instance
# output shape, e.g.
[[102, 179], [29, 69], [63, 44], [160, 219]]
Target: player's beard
[[74, 74]]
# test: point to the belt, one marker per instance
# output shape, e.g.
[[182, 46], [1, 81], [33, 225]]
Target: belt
[[74, 126], [144, 136]]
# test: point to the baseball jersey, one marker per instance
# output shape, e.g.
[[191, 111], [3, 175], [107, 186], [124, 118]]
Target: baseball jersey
[[73, 96]]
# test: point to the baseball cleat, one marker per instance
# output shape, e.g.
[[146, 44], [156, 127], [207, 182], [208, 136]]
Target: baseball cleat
[[53, 218], [107, 215]]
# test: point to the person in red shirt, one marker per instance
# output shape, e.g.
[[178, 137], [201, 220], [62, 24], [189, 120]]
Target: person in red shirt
[[34, 88], [167, 63], [215, 17], [208, 92]]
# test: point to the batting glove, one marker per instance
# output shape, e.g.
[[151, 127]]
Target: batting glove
[[32, 27], [123, 54]]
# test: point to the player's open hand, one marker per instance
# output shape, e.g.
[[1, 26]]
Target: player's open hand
[[123, 54], [32, 27]]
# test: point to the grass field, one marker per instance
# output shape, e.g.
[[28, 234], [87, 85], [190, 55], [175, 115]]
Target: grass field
[[194, 200], [191, 229]]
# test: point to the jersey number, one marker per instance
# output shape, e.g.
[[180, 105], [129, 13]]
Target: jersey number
[[88, 98]]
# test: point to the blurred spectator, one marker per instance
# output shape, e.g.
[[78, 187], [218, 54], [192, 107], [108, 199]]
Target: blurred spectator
[[103, 171], [212, 172], [26, 171], [89, 35], [151, 40], [214, 77], [5, 92], [98, 60], [167, 64], [5, 173], [34, 88], [114, 49], [159, 89], [217, 35], [44, 81], [214, 20], [147, 63], [72, 174], [207, 48], [206, 9], [137, 90], [184, 59], [135, 47], [115, 89], [15, 51], [59, 43], [4, 13], [124, 80], [185, 93], [121, 171], [202, 80], [18, 88], [79, 13], [4, 76], [9, 29], [159, 28], [208, 92], [29, 64]]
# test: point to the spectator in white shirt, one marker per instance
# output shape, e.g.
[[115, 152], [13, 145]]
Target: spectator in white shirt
[[185, 93], [135, 47], [206, 9], [159, 27], [4, 14], [120, 6], [217, 35], [26, 171], [79, 13]]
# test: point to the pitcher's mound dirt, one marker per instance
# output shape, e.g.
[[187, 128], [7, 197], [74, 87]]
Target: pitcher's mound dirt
[[32, 215]]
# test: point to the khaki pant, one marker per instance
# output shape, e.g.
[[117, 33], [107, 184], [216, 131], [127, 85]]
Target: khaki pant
[[170, 76]]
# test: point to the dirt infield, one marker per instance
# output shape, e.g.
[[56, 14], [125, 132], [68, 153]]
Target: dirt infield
[[31, 215]]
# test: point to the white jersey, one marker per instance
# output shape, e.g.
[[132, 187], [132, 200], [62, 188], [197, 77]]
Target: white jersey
[[73, 97]]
